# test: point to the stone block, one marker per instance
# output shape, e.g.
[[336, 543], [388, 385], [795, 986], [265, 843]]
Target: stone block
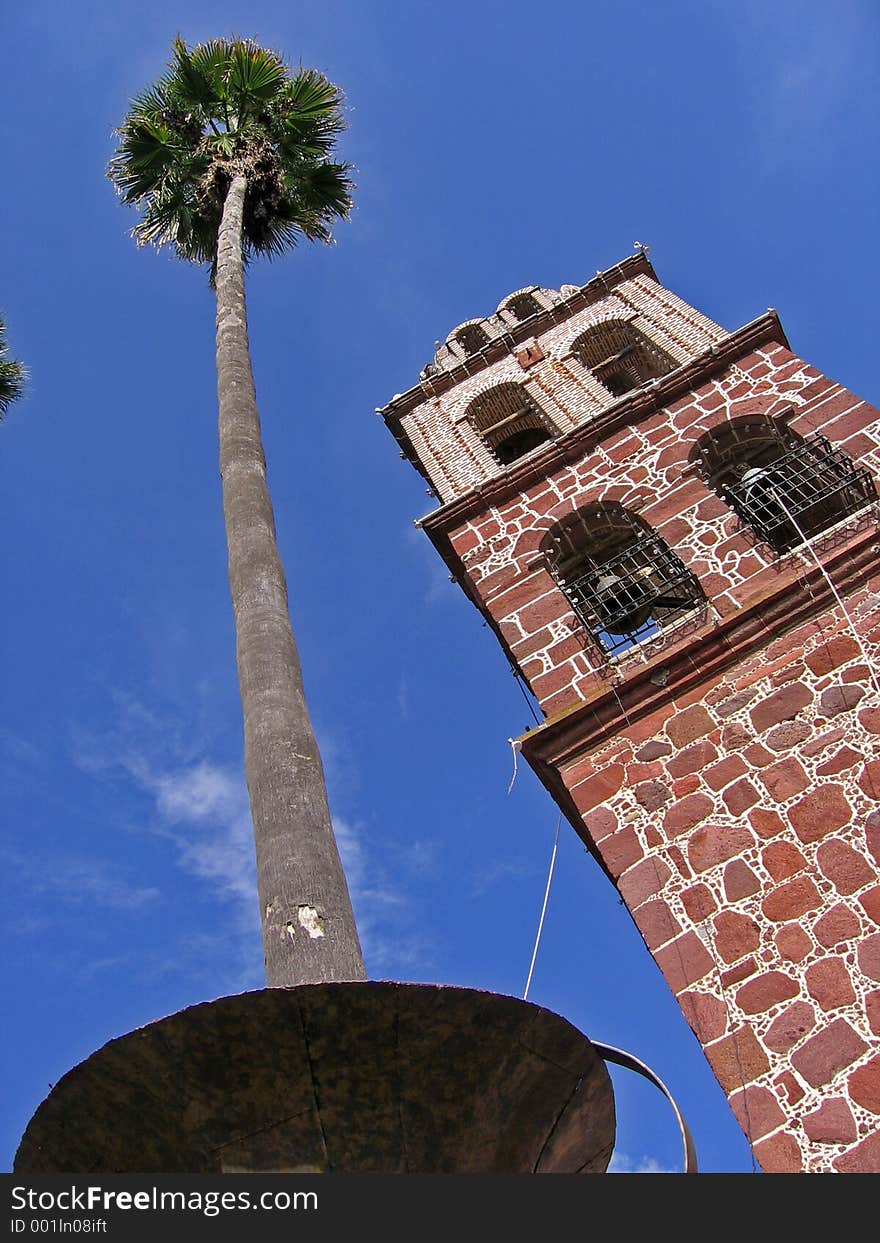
[[791, 899], [714, 844], [827, 1053], [790, 1027], [829, 984]]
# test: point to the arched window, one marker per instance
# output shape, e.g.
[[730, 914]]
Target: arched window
[[509, 422], [471, 338], [621, 357], [623, 581], [522, 306], [786, 487]]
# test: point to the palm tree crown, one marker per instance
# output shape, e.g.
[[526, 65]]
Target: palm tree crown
[[225, 107], [13, 375]]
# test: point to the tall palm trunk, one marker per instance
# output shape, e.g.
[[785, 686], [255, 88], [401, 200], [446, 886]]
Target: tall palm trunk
[[309, 933]]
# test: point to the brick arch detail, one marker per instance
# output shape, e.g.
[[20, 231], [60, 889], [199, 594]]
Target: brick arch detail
[[623, 316], [631, 498], [477, 322], [773, 408], [510, 373], [604, 315], [503, 304]]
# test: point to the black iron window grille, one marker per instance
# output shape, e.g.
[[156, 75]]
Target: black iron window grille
[[800, 493], [632, 595]]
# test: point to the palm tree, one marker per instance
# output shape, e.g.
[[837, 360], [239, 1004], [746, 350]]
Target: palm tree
[[13, 375], [229, 156]]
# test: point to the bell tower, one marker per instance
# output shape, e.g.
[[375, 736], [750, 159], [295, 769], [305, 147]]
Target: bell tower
[[672, 530]]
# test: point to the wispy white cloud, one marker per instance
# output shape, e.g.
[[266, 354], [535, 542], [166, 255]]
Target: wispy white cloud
[[75, 881], [436, 574], [206, 807], [808, 69], [623, 1164], [382, 909], [496, 873], [439, 586], [20, 750], [340, 767], [202, 808], [199, 805], [811, 66], [139, 738], [95, 966], [86, 881], [420, 858]]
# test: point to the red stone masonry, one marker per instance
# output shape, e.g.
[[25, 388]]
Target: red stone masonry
[[726, 773]]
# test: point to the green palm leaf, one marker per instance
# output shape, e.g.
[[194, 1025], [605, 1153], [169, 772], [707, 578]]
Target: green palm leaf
[[255, 75], [224, 107], [198, 78], [13, 375]]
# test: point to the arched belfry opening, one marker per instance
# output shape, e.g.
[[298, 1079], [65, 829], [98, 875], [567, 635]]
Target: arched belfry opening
[[784, 486], [472, 338], [522, 306], [509, 422], [620, 356], [624, 583]]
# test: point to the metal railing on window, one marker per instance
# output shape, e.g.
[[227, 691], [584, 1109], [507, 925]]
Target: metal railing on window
[[818, 484], [630, 596]]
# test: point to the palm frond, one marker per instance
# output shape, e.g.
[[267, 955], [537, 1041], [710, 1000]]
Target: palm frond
[[223, 143], [13, 375], [146, 152], [175, 214], [312, 95], [321, 192], [154, 99], [255, 75], [308, 116], [199, 77], [210, 60], [224, 107]]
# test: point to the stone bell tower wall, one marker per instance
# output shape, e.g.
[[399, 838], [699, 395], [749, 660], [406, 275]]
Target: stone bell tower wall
[[726, 772]]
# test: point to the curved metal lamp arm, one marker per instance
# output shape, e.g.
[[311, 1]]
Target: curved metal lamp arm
[[629, 1062]]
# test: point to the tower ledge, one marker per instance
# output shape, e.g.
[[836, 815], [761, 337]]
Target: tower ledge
[[626, 411], [595, 289]]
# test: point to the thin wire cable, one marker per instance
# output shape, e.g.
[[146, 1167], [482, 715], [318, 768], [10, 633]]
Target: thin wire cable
[[529, 704], [858, 638], [543, 908]]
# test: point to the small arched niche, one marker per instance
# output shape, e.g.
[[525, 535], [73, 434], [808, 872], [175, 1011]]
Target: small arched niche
[[624, 583], [786, 487], [521, 305], [509, 422], [620, 356], [471, 337]]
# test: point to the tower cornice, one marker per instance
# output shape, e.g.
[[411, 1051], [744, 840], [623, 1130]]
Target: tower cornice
[[593, 291], [626, 411]]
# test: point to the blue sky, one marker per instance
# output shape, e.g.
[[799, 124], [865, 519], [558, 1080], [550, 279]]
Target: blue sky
[[497, 145]]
